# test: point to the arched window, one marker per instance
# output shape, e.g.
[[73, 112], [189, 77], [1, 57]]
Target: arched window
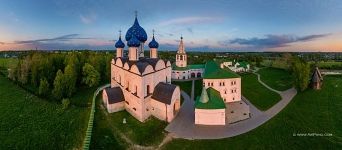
[[147, 90]]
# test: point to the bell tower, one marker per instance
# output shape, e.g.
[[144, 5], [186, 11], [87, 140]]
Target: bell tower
[[181, 57]]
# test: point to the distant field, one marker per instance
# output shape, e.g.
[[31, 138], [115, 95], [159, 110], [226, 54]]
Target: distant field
[[28, 122], [6, 63], [278, 79], [329, 65], [317, 112], [257, 94]]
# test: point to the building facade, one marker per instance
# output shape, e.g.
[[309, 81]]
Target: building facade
[[141, 85], [181, 70]]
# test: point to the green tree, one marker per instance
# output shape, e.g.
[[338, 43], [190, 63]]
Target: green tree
[[58, 86], [24, 69], [91, 77], [301, 73], [43, 87], [69, 80]]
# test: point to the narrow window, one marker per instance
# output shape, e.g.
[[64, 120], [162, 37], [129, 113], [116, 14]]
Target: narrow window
[[134, 109]]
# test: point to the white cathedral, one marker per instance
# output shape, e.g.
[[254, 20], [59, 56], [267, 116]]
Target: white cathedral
[[141, 85]]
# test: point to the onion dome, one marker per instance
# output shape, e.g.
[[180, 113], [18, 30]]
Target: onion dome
[[133, 42], [119, 43], [153, 43], [137, 31]]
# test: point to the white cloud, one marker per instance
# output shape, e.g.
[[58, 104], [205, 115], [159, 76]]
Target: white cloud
[[87, 19]]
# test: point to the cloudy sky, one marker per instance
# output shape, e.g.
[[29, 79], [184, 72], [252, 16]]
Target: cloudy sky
[[208, 25]]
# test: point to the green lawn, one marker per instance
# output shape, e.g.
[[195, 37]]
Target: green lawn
[[83, 97], [278, 79], [149, 133], [198, 87], [28, 122], [309, 112], [104, 135], [184, 86], [256, 93]]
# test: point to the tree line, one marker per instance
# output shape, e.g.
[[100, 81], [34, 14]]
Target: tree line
[[59, 75]]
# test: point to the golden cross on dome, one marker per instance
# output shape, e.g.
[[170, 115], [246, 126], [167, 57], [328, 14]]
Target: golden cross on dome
[[153, 31], [120, 32]]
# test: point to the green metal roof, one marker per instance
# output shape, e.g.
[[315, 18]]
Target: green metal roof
[[213, 71], [188, 67], [196, 66], [215, 100]]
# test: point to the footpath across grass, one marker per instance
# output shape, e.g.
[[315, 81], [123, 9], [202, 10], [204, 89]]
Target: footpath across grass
[[28, 122], [312, 120], [257, 94], [278, 79]]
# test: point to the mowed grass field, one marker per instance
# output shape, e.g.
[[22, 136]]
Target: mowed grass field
[[28, 122], [317, 112], [278, 79], [256, 93], [184, 86], [109, 128], [198, 88]]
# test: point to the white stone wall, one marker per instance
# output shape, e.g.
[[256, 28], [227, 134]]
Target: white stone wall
[[112, 107], [136, 86], [180, 74], [161, 110], [210, 116], [230, 89], [186, 74], [115, 107]]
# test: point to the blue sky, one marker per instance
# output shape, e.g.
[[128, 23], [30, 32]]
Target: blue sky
[[220, 25]]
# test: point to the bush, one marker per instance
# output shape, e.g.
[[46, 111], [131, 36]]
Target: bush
[[65, 103]]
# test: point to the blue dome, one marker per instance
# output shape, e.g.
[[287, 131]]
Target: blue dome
[[133, 42], [153, 43], [137, 31], [119, 43]]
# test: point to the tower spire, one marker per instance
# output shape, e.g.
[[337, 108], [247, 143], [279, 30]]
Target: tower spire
[[153, 32], [136, 13], [181, 48]]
